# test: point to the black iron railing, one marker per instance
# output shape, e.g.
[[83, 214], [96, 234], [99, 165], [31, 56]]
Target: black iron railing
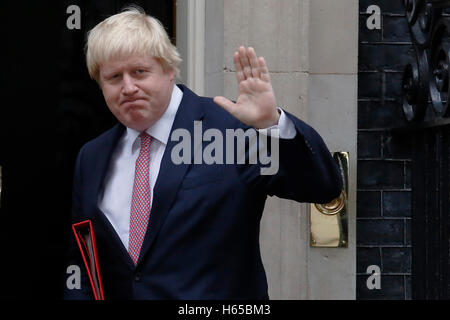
[[426, 78], [426, 91]]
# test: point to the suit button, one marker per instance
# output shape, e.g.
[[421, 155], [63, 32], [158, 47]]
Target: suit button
[[138, 277]]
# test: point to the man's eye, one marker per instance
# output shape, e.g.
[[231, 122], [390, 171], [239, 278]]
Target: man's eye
[[140, 71]]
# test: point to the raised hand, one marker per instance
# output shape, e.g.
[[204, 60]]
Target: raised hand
[[255, 105]]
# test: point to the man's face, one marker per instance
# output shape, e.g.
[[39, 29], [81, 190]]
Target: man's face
[[137, 90]]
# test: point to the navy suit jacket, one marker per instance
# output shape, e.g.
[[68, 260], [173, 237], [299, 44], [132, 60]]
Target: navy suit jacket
[[202, 240]]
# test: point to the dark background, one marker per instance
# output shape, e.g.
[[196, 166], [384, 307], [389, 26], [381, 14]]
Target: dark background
[[49, 108]]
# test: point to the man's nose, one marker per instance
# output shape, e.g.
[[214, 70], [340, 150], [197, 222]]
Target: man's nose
[[129, 86]]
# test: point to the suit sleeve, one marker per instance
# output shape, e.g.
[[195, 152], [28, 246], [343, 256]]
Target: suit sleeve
[[73, 258], [305, 172]]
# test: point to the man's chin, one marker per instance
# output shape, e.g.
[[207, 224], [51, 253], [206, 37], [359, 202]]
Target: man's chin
[[137, 126], [138, 119], [138, 123]]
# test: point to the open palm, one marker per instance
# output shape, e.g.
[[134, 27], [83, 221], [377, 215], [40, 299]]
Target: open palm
[[255, 105]]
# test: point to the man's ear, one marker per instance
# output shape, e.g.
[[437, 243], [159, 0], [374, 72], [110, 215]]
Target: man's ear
[[171, 72], [167, 68], [99, 82], [97, 77]]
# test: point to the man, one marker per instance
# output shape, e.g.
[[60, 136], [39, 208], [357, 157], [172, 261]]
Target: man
[[190, 230]]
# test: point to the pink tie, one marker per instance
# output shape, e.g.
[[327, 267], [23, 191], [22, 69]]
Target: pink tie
[[140, 203]]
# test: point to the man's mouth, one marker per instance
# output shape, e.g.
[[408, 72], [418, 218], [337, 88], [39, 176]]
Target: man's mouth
[[131, 100]]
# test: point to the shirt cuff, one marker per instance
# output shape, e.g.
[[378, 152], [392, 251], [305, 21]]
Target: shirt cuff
[[285, 127]]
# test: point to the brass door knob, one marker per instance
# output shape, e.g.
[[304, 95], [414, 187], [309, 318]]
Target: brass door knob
[[333, 207]]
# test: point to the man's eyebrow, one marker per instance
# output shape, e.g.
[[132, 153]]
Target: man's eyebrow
[[147, 65], [108, 73], [142, 64]]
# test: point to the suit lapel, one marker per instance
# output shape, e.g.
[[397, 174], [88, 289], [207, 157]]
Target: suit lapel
[[171, 175], [105, 150]]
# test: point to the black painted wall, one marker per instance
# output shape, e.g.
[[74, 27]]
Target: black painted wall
[[384, 158]]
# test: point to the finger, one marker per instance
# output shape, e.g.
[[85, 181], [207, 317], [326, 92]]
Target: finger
[[254, 64], [226, 104], [264, 70], [239, 70], [245, 62]]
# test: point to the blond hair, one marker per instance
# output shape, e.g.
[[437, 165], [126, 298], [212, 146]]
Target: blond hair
[[129, 32]]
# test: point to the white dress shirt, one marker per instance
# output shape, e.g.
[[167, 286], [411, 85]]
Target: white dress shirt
[[115, 200]]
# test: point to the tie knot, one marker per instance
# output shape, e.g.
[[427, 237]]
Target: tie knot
[[145, 139]]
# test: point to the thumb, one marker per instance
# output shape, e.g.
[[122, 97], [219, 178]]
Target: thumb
[[226, 104]]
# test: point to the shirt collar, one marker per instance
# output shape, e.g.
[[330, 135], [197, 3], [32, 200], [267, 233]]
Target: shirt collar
[[160, 130]]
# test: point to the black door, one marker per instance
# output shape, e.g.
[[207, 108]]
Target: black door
[[49, 109]]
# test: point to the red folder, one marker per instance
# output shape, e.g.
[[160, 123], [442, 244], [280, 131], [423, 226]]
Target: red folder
[[84, 234]]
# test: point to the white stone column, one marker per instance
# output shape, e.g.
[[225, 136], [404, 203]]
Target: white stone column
[[191, 43], [332, 110]]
